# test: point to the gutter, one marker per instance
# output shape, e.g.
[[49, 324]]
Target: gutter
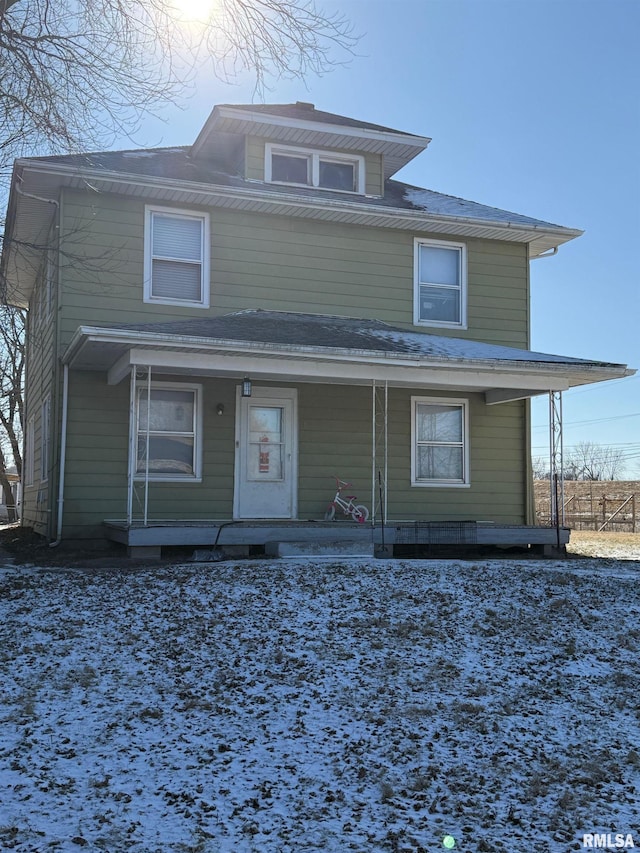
[[88, 334], [291, 200]]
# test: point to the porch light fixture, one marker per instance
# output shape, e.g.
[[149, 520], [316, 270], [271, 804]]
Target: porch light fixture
[[246, 387], [220, 409]]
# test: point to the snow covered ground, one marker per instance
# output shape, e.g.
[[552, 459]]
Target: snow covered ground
[[320, 706]]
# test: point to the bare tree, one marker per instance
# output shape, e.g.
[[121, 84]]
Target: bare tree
[[77, 73], [590, 461], [540, 468], [12, 326]]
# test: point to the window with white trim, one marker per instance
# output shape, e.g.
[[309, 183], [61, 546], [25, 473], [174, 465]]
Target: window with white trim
[[168, 431], [45, 433], [312, 168], [439, 442], [29, 452], [440, 287], [176, 263]]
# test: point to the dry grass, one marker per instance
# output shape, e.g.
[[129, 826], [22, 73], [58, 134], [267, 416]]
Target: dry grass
[[587, 543]]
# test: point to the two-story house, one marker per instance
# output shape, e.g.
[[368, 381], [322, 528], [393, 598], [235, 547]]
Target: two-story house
[[217, 330]]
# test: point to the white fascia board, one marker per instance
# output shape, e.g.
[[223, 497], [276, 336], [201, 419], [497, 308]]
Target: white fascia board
[[360, 214], [320, 127], [208, 356], [337, 372]]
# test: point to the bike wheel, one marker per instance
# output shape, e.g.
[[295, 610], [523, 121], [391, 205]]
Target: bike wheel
[[360, 513], [330, 514]]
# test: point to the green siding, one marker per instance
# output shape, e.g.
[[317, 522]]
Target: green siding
[[38, 499], [334, 439], [282, 263], [278, 263]]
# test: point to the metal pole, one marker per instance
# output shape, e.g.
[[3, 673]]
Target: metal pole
[[148, 441], [133, 445], [373, 452], [556, 459], [386, 448]]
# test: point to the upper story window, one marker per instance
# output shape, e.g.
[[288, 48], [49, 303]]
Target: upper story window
[[440, 287], [308, 168], [176, 257]]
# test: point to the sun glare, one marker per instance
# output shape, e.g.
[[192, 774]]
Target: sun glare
[[194, 11]]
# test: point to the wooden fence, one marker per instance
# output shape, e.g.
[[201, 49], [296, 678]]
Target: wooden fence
[[593, 505]]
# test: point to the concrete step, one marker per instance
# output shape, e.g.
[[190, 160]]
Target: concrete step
[[339, 548]]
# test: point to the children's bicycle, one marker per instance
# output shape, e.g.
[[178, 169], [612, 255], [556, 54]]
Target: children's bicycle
[[358, 512]]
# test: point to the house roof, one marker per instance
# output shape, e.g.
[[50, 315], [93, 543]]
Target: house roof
[[351, 334], [303, 111], [177, 163], [302, 124], [191, 176], [314, 347]]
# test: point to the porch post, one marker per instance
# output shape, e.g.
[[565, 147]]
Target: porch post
[[147, 443], [132, 444], [373, 451], [556, 458], [379, 439]]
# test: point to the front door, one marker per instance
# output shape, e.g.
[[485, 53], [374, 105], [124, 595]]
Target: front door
[[266, 465]]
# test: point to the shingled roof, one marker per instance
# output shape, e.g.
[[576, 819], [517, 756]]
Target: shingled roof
[[177, 164], [320, 331], [303, 111]]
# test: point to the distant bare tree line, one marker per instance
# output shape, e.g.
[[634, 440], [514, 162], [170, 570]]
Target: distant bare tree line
[[586, 461]]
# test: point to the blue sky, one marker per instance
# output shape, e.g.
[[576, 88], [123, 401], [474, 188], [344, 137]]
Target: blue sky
[[533, 106]]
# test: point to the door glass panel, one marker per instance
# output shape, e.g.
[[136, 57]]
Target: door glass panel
[[266, 447]]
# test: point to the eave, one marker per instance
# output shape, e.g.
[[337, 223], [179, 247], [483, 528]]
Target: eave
[[397, 148], [30, 218], [115, 351]]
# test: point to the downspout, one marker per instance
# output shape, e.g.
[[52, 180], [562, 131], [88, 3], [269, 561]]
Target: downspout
[[35, 197], [549, 254], [63, 454]]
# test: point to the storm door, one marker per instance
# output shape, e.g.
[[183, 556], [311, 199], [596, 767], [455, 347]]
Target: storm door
[[266, 469]]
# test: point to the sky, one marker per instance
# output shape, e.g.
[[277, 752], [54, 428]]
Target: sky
[[533, 106]]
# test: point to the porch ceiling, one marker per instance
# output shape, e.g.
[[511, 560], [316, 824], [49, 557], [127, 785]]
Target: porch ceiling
[[277, 346]]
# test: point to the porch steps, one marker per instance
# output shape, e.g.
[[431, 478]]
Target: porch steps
[[336, 548]]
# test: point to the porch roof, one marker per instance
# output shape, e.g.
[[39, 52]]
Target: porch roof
[[287, 346]]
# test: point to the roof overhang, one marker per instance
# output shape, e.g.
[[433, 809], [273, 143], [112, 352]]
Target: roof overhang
[[228, 123], [116, 351], [36, 189]]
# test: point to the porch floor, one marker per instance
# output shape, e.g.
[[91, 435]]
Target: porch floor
[[258, 532]]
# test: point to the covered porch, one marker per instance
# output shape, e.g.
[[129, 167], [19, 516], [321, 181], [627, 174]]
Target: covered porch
[[333, 397]]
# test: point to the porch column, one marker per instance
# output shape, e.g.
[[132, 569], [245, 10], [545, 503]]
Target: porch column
[[132, 444], [147, 448], [379, 450], [556, 459]]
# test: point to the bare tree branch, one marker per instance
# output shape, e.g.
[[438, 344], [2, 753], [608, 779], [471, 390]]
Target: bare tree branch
[[77, 74]]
